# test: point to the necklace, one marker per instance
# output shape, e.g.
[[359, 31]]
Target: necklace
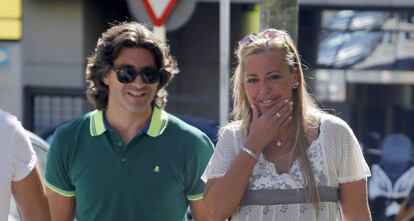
[[281, 142]]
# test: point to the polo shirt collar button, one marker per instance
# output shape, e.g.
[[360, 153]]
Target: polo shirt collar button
[[119, 143], [123, 159]]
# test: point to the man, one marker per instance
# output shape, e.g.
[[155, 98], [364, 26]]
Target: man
[[129, 159], [19, 175]]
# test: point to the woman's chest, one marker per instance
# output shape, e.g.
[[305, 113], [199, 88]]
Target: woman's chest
[[265, 174]]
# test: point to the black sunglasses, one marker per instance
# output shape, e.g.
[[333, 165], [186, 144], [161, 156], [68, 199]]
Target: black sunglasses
[[127, 74]]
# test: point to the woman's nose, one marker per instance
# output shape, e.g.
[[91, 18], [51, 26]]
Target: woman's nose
[[264, 86]]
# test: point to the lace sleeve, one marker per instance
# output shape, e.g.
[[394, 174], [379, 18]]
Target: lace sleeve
[[224, 153]]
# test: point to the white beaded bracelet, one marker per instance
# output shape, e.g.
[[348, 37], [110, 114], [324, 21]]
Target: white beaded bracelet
[[248, 151]]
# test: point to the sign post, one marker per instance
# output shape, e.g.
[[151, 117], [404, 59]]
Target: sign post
[[224, 60]]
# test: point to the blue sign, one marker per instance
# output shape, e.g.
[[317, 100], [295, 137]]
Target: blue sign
[[4, 56]]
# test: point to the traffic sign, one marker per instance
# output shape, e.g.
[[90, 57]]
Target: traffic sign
[[180, 15], [159, 10]]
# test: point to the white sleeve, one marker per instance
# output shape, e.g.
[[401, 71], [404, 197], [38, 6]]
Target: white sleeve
[[23, 157], [347, 153], [224, 154]]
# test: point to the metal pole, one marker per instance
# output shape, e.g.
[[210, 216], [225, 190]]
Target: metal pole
[[160, 31], [224, 60]]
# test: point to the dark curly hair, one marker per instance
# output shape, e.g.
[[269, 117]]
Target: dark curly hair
[[108, 48]]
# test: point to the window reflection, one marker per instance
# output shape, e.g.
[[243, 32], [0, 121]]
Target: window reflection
[[367, 40]]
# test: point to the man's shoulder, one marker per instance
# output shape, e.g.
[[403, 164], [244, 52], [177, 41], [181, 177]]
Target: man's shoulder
[[192, 139], [78, 123], [4, 114], [7, 119], [180, 128], [178, 124], [9, 126]]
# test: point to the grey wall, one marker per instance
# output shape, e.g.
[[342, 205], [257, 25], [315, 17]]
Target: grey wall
[[10, 79], [53, 43]]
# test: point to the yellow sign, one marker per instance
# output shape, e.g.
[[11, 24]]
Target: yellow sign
[[10, 29], [10, 9], [10, 19]]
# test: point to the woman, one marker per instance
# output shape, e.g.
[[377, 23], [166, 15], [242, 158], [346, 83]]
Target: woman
[[282, 158]]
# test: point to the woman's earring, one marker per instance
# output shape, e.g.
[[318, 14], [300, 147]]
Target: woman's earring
[[296, 85]]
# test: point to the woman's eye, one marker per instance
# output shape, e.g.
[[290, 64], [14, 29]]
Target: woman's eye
[[273, 77], [251, 80]]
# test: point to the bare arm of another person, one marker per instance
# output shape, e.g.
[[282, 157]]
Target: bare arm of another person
[[354, 201], [223, 195], [62, 208], [199, 210], [30, 197]]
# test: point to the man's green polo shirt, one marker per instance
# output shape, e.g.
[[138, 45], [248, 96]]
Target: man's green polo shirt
[[152, 178]]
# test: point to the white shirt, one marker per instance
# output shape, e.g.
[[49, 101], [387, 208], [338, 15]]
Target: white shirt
[[335, 155], [17, 158]]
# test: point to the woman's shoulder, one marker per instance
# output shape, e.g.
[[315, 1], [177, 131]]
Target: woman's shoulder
[[332, 120], [334, 123], [234, 127]]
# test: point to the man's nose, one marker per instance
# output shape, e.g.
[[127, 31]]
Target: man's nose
[[138, 81]]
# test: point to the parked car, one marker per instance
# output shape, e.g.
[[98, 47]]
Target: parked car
[[41, 147]]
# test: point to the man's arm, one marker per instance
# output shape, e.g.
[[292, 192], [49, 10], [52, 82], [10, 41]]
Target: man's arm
[[199, 211], [30, 197], [62, 208]]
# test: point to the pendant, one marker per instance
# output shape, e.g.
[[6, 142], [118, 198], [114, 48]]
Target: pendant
[[278, 143]]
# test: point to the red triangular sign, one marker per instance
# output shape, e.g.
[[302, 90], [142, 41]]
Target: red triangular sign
[[159, 10]]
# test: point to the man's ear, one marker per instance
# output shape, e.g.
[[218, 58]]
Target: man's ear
[[105, 79]]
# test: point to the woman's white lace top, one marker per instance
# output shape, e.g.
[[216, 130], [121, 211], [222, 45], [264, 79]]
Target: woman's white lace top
[[336, 158]]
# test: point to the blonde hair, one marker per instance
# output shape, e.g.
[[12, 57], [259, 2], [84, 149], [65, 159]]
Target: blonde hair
[[304, 107]]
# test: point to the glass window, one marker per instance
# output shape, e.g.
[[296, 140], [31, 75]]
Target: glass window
[[366, 40]]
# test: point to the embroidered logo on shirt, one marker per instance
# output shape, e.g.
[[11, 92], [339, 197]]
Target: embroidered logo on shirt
[[156, 169]]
